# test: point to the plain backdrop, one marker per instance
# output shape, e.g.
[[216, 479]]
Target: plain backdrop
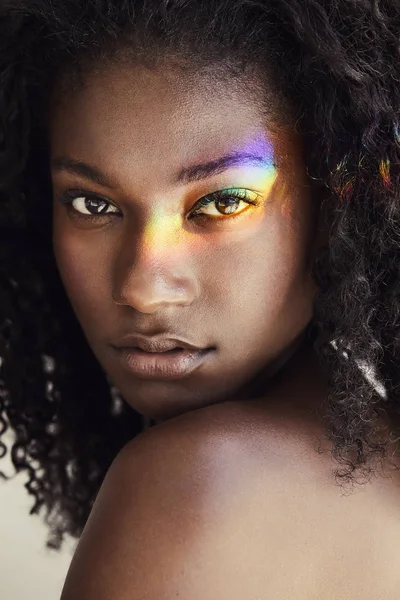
[[28, 570]]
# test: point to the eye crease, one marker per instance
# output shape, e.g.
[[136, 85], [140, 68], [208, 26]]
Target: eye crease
[[220, 205]]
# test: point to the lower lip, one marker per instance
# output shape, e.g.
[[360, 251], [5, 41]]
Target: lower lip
[[162, 365]]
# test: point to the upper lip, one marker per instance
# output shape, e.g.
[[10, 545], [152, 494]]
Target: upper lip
[[153, 344]]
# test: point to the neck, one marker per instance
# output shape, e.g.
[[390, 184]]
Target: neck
[[281, 374]]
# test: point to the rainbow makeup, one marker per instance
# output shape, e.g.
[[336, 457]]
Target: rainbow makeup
[[257, 171]]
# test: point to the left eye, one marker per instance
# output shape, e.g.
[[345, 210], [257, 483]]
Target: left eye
[[224, 203]]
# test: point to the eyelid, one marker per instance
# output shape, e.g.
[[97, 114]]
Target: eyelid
[[240, 194], [253, 198], [69, 195]]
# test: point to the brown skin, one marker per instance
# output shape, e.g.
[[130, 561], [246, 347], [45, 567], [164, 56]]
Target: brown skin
[[242, 285], [234, 501]]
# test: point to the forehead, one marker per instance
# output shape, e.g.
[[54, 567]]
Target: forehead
[[153, 122]]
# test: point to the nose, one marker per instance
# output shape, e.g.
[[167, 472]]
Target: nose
[[153, 269]]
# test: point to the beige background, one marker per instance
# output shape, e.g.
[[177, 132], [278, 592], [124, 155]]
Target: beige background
[[28, 570]]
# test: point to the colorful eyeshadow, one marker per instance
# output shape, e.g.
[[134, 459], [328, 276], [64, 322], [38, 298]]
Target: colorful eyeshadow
[[257, 175]]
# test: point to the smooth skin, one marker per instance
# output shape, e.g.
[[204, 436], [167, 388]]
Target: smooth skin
[[240, 283], [228, 497]]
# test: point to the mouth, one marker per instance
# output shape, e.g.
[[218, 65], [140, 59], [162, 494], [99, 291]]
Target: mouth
[[155, 344], [174, 363], [172, 351]]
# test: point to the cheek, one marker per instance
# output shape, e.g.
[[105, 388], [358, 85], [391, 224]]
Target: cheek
[[264, 287], [266, 265], [82, 266]]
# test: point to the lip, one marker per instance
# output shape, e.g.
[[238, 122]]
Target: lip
[[160, 365], [156, 344]]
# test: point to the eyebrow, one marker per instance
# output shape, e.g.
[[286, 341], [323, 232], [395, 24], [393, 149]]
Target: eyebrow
[[77, 167], [186, 175], [214, 167]]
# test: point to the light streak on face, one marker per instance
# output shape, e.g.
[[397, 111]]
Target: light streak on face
[[255, 165], [177, 250]]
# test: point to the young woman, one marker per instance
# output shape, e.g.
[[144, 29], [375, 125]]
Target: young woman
[[200, 223]]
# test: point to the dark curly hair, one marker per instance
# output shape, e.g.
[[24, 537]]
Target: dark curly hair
[[336, 64]]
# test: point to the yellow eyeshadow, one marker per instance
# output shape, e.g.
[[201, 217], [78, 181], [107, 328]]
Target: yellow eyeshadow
[[165, 229]]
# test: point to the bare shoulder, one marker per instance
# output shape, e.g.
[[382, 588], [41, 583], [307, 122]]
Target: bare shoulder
[[277, 513], [224, 502], [235, 435], [178, 514]]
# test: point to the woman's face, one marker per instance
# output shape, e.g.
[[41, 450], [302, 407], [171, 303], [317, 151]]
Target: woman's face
[[147, 245]]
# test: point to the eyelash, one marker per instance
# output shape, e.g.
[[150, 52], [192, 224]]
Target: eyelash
[[237, 194]]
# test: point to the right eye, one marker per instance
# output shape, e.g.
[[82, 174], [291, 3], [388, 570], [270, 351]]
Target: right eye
[[87, 205], [90, 205]]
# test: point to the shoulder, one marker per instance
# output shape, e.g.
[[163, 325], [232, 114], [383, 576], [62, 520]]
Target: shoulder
[[243, 425], [227, 447], [231, 432], [180, 506]]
